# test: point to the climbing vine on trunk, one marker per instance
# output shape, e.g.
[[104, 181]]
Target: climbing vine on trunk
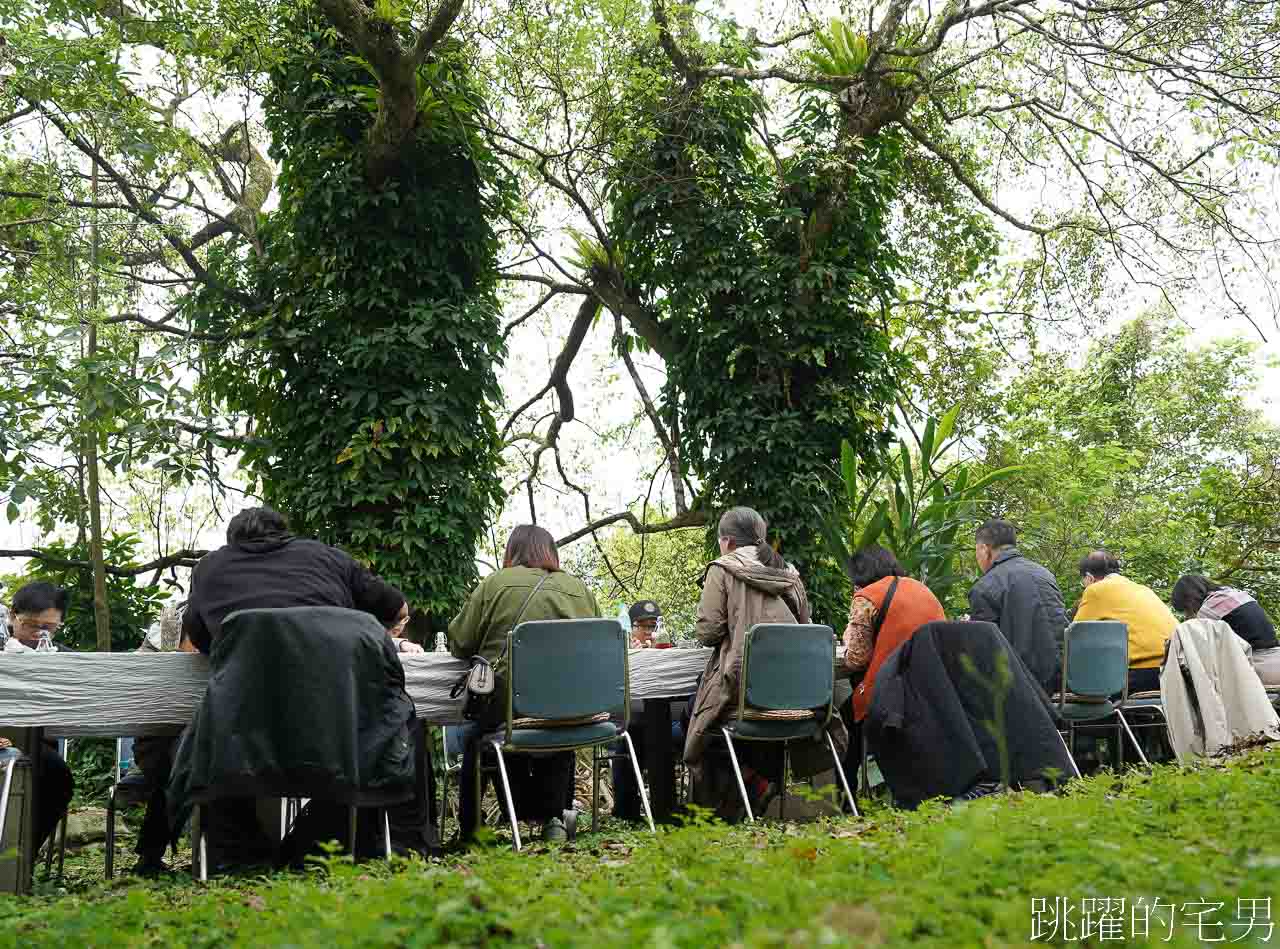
[[766, 260], [371, 376]]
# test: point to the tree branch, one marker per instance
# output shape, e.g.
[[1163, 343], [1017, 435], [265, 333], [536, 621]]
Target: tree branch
[[183, 558], [694, 518]]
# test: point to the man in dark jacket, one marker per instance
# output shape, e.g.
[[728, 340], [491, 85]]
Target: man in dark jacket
[[1022, 598], [263, 566]]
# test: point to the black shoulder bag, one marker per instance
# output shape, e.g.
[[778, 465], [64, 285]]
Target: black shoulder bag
[[479, 680]]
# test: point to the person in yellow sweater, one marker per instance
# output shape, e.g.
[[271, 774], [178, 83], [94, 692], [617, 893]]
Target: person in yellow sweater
[[1108, 595]]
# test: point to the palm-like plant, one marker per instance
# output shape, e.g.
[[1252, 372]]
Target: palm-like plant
[[915, 506]]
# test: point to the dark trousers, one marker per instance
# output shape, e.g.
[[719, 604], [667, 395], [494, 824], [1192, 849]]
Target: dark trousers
[[155, 757], [541, 785], [626, 793], [56, 787], [1144, 680], [236, 836]]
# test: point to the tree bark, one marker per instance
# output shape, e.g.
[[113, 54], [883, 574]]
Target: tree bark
[[101, 609]]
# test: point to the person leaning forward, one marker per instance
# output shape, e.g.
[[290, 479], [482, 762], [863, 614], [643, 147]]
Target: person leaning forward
[[264, 566], [1110, 596]]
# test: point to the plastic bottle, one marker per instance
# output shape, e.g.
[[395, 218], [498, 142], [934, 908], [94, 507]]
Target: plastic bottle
[[624, 617], [661, 638], [45, 644]]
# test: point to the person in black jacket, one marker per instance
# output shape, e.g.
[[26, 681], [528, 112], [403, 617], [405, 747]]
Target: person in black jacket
[[264, 566], [1022, 598]]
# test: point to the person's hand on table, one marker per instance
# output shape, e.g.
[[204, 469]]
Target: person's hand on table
[[5, 743], [408, 647]]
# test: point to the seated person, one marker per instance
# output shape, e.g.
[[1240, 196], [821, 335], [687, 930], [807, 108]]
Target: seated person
[[263, 565], [1108, 595], [644, 623], [38, 609], [874, 570], [626, 794], [153, 758], [530, 586], [1195, 596], [1022, 598], [749, 583], [392, 610]]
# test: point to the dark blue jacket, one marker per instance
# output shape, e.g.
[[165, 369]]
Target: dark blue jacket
[[1023, 599]]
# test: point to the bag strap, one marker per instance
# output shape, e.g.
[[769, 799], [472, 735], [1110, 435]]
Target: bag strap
[[884, 610], [524, 606]]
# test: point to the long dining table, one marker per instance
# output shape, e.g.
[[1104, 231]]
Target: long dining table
[[131, 694]]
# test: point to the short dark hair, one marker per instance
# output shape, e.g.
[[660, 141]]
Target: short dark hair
[[1190, 591], [386, 601], [39, 596], [1099, 564], [997, 533], [873, 563], [531, 546], [256, 522]]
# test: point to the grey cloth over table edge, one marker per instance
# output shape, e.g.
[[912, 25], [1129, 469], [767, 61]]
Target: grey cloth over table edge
[[133, 694]]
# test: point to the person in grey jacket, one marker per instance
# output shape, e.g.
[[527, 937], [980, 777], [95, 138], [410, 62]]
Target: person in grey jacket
[[1022, 598]]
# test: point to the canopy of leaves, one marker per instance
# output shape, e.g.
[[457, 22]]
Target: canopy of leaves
[[371, 375], [1151, 449], [768, 272]]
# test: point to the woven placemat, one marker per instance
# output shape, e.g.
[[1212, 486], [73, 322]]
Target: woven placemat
[[777, 715], [560, 722]]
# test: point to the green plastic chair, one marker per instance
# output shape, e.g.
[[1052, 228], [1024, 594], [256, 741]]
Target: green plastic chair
[[1095, 666], [561, 675], [787, 668]]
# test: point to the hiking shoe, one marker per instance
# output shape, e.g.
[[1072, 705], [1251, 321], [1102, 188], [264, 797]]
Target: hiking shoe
[[981, 789], [553, 831]]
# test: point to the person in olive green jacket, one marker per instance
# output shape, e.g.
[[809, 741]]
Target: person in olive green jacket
[[530, 580]]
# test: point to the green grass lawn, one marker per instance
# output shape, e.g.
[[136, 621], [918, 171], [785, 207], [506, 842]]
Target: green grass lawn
[[1196, 840]]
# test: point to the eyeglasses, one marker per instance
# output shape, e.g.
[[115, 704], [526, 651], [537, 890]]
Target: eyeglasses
[[26, 622], [401, 623]]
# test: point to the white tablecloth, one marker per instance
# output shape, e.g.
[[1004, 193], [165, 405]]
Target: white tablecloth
[[130, 693]]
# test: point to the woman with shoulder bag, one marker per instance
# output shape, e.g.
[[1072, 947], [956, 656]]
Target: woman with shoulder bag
[[530, 586], [887, 609], [748, 583]]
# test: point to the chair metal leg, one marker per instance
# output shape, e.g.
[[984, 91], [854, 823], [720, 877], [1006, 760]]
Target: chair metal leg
[[351, 831], [4, 796], [737, 773], [386, 831], [59, 840], [782, 802], [111, 834], [644, 795], [1123, 721], [1070, 757], [595, 788], [506, 791], [844, 782], [199, 850]]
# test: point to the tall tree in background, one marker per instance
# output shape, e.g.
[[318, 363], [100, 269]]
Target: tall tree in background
[[1150, 449], [371, 372]]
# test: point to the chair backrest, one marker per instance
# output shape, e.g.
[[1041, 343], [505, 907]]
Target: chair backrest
[[787, 666], [1096, 659], [567, 668]]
